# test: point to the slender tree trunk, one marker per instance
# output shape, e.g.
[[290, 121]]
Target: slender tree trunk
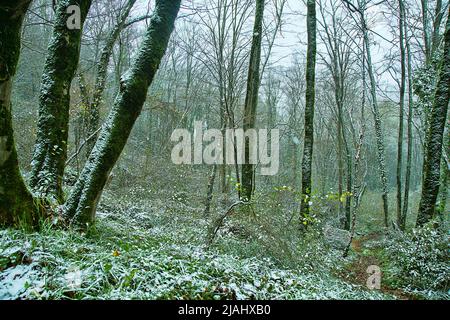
[[401, 112], [358, 191], [50, 151], [82, 202], [436, 36], [445, 172], [378, 127], [340, 147], [223, 166], [409, 135], [309, 110], [210, 191], [81, 123], [433, 151], [16, 202], [349, 186], [251, 99], [426, 30], [102, 73]]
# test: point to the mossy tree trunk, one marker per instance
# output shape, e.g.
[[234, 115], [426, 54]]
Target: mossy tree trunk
[[50, 153], [102, 73], [82, 202], [16, 201], [309, 110], [251, 100], [434, 143]]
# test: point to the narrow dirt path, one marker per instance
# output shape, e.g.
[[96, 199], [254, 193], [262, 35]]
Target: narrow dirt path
[[356, 271]]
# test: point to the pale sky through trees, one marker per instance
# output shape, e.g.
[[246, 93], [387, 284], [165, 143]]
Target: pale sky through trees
[[292, 38]]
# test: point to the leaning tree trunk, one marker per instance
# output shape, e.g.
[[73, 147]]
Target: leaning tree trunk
[[102, 73], [82, 202], [251, 100], [50, 151], [16, 202], [433, 151], [309, 111]]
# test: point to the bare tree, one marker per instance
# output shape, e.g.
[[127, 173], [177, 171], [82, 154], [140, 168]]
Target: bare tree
[[375, 108], [82, 202], [102, 72], [251, 99], [309, 111]]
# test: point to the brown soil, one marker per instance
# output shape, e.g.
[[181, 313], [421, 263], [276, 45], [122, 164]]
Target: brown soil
[[356, 271]]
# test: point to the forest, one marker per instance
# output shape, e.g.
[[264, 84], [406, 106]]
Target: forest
[[224, 150]]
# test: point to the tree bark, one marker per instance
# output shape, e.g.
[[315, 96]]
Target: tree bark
[[436, 36], [409, 136], [401, 22], [426, 30], [102, 73], [251, 100], [210, 191], [445, 173], [377, 119], [348, 197], [309, 110], [433, 151], [82, 203], [50, 151], [16, 201]]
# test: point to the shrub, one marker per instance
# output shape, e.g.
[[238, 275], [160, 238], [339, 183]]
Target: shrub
[[419, 260]]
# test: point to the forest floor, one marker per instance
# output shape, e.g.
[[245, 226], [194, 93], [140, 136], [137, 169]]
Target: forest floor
[[149, 243], [157, 256], [366, 253]]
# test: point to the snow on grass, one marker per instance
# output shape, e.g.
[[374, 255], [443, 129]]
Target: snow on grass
[[142, 257]]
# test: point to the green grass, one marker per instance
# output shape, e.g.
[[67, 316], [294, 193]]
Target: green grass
[[149, 251]]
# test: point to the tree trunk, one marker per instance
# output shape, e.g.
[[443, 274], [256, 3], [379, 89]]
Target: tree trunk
[[378, 127], [349, 191], [401, 111], [50, 151], [445, 173], [102, 73], [436, 36], [210, 191], [340, 143], [82, 203], [409, 135], [426, 30], [251, 99], [16, 202], [309, 111], [433, 151]]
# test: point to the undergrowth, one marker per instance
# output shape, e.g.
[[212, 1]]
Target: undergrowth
[[154, 250]]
